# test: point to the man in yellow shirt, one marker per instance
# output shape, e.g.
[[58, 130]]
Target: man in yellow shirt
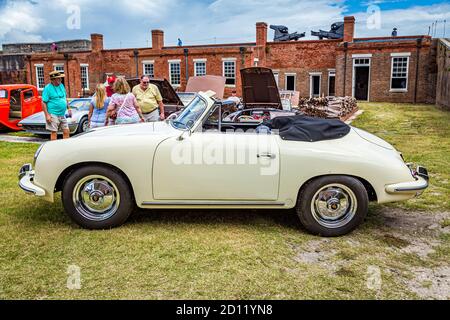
[[149, 100]]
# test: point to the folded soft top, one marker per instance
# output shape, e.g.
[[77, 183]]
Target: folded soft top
[[303, 128]]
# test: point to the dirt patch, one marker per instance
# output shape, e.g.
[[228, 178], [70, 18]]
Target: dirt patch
[[431, 283], [414, 222], [314, 252]]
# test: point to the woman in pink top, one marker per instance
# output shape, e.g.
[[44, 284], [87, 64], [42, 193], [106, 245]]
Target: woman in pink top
[[123, 106]]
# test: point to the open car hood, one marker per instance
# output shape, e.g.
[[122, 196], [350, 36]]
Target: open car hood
[[169, 95], [206, 83], [259, 89]]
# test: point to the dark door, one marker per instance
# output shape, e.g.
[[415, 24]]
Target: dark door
[[331, 90], [362, 83]]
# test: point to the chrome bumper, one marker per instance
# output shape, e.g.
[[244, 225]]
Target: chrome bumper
[[418, 186], [26, 175]]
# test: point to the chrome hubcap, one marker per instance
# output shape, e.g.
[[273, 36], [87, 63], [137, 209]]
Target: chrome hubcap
[[96, 198], [334, 206], [85, 126]]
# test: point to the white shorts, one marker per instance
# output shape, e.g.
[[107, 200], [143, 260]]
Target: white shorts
[[152, 116]]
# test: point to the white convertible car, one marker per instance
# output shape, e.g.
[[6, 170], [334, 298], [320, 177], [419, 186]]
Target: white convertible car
[[326, 170]]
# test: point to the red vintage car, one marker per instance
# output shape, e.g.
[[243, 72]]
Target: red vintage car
[[18, 101]]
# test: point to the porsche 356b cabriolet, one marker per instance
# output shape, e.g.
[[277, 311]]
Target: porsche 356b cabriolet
[[326, 170]]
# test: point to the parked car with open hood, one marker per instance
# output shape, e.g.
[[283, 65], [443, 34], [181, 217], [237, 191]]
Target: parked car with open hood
[[260, 97], [326, 170]]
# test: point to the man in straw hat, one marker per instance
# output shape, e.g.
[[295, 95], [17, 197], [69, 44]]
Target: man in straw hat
[[55, 106]]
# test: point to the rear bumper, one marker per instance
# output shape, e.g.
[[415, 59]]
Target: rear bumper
[[26, 176], [414, 187]]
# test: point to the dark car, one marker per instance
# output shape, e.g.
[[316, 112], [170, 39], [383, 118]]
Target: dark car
[[171, 100]]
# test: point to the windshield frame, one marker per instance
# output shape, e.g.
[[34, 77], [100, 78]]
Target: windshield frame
[[199, 119]]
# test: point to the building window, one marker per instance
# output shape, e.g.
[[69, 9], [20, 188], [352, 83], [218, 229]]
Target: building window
[[315, 80], [59, 67], [229, 72], [200, 68], [84, 68], [276, 75], [290, 81], [148, 69], [399, 75], [40, 80], [175, 73]]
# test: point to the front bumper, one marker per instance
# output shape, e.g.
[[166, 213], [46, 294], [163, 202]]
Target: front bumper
[[418, 186], [26, 176]]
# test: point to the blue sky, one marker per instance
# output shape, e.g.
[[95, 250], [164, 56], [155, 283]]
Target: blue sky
[[128, 23]]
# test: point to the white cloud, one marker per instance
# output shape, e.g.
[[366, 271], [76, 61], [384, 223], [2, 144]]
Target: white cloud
[[128, 23], [18, 22]]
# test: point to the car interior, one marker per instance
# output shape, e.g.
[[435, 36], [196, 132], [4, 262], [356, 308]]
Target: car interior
[[15, 104], [249, 120]]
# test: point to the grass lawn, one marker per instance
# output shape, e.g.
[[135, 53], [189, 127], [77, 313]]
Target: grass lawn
[[402, 250]]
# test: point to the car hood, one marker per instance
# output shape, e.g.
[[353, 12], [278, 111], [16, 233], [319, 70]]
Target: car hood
[[206, 83], [34, 118], [259, 88], [159, 127], [373, 139], [168, 94]]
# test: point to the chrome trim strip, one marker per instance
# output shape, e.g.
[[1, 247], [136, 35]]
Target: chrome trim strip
[[212, 202]]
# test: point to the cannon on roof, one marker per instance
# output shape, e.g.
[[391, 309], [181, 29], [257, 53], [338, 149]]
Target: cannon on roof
[[336, 32], [282, 33]]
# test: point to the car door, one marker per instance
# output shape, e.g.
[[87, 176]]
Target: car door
[[28, 101], [217, 166]]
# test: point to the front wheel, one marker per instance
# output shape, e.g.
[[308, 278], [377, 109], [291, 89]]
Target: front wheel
[[332, 206], [97, 197]]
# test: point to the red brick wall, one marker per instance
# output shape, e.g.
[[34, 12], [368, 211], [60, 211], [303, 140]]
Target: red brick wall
[[380, 70], [301, 58], [298, 57]]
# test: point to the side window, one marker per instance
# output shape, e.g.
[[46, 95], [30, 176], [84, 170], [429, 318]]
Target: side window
[[28, 95]]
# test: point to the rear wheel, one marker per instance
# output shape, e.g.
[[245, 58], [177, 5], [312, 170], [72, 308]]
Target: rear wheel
[[333, 205], [97, 197]]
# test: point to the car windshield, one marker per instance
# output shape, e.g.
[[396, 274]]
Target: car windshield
[[190, 114], [80, 105], [3, 94]]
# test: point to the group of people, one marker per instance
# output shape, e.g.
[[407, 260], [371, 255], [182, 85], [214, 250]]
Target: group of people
[[114, 103]]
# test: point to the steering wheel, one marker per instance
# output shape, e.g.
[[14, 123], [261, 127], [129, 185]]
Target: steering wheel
[[13, 100]]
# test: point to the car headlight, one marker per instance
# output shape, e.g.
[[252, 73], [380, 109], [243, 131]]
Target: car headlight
[[36, 154]]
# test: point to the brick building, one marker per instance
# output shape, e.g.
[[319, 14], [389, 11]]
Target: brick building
[[391, 69]]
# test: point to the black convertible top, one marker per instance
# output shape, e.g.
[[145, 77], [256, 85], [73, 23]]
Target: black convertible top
[[303, 128]]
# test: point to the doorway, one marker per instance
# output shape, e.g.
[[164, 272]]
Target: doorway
[[362, 83], [361, 78]]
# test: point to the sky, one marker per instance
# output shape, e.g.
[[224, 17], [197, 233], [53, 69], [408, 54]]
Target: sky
[[128, 24]]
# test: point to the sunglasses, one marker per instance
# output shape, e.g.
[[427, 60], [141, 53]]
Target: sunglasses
[[145, 82]]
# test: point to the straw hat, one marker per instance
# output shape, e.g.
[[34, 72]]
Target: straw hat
[[56, 75]]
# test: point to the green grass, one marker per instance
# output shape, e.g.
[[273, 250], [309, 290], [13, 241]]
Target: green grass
[[422, 134], [222, 254]]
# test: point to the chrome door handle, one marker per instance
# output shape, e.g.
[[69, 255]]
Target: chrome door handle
[[266, 155]]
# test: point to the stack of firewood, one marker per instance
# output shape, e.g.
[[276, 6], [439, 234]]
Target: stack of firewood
[[328, 107]]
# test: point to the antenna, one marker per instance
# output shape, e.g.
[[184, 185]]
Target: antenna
[[445, 21]]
